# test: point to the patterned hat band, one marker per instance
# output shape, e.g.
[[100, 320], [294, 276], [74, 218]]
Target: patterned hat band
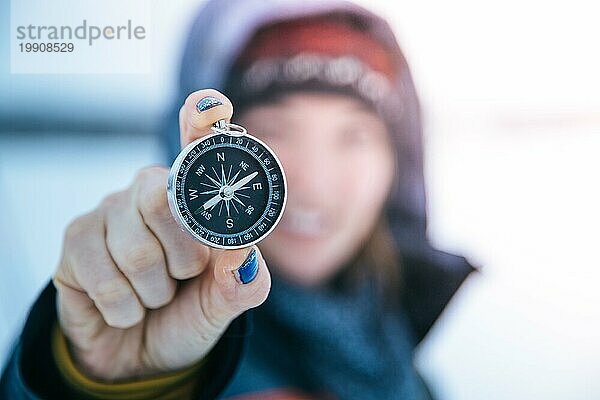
[[344, 72]]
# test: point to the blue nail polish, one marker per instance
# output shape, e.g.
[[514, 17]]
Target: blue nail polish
[[208, 102], [248, 270]]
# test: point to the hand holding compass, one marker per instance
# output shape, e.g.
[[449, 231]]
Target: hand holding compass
[[127, 265]]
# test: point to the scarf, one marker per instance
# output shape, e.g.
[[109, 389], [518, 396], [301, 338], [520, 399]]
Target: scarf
[[330, 344]]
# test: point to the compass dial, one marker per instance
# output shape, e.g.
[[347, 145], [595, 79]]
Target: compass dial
[[228, 191]]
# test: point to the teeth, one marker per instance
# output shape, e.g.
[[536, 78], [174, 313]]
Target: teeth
[[303, 221]]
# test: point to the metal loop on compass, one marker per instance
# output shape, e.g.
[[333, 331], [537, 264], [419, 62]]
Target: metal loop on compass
[[228, 129]]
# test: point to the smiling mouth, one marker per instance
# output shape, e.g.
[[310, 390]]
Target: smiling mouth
[[304, 222]]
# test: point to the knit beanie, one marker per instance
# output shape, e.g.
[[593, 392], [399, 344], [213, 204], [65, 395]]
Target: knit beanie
[[325, 53]]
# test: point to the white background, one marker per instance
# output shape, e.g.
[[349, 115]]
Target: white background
[[511, 97]]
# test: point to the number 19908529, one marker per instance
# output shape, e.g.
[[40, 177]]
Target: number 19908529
[[43, 47]]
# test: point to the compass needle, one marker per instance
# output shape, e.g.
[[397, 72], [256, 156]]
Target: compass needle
[[212, 201], [243, 181]]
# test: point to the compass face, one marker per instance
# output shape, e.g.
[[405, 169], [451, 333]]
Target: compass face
[[228, 191]]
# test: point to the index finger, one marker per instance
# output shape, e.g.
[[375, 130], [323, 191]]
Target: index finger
[[200, 110]]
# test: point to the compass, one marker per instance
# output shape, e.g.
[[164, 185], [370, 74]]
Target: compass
[[227, 189]]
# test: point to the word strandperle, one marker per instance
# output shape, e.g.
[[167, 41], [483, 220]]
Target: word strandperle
[[84, 31]]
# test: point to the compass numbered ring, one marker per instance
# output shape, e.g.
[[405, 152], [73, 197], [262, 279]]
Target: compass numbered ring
[[228, 191]]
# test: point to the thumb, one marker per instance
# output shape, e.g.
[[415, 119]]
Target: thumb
[[242, 279]]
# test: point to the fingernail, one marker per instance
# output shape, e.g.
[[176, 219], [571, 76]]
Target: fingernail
[[246, 272], [208, 102]]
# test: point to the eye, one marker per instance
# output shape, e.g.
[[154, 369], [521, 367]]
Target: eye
[[257, 126], [267, 133]]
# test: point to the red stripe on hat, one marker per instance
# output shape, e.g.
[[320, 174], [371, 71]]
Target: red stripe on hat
[[323, 35]]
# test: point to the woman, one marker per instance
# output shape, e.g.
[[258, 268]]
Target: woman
[[347, 283]]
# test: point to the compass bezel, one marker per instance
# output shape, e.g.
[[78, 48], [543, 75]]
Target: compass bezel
[[172, 191]]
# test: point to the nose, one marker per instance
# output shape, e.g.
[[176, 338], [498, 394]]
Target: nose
[[312, 173]]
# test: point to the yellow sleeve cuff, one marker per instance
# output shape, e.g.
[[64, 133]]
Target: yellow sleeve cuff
[[174, 385]]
